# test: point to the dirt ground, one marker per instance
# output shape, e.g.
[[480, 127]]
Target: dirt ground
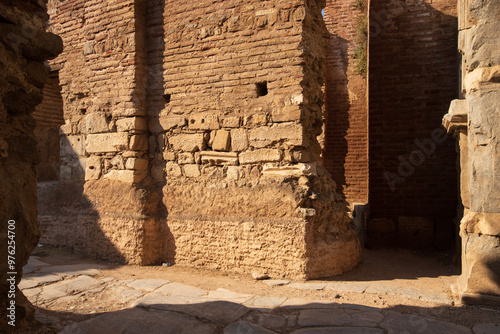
[[401, 268]]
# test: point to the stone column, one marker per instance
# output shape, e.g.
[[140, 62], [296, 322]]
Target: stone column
[[479, 23]]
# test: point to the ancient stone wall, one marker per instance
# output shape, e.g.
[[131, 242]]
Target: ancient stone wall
[[346, 110], [474, 120], [24, 46], [236, 133], [413, 63], [104, 148], [230, 176], [48, 116]]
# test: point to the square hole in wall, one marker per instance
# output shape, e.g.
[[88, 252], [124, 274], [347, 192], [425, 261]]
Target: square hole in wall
[[261, 88], [167, 97]]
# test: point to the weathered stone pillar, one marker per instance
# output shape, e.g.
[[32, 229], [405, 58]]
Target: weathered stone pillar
[[24, 46], [476, 119]]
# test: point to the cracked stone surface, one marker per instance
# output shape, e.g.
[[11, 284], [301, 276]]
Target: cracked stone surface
[[161, 306]]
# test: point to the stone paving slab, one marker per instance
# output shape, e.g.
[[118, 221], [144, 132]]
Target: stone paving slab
[[70, 270], [217, 311], [147, 284], [268, 302], [270, 321], [358, 287], [30, 293], [35, 262], [179, 289], [60, 289], [27, 269], [303, 303], [228, 295], [308, 286], [242, 327], [486, 329], [336, 317], [139, 321], [38, 279], [396, 323]]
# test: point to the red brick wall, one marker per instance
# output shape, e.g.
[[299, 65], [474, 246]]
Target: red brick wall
[[346, 131], [49, 117], [413, 77]]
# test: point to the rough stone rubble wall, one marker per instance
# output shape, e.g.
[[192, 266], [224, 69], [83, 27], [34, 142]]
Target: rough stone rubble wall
[[24, 46], [230, 176], [413, 62], [346, 109], [475, 121]]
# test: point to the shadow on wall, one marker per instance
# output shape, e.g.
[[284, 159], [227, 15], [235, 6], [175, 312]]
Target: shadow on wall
[[107, 219], [337, 111], [413, 77], [157, 99]]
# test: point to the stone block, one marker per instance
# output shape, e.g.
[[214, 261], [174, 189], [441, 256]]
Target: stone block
[[96, 123], [259, 156], [222, 141], [126, 176], [479, 45], [169, 156], [88, 48], [475, 12], [192, 170], [187, 142], [173, 169], [139, 143], [65, 129], [93, 168], [456, 118], [484, 150], [239, 140], [131, 123], [481, 78], [255, 120], [117, 162], [166, 123], [107, 142], [233, 173], [231, 122], [136, 164], [219, 158], [73, 146], [204, 122], [290, 134], [185, 158], [296, 170]]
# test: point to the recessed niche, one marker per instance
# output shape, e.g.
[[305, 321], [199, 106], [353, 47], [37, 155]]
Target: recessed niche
[[167, 97], [261, 88]]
